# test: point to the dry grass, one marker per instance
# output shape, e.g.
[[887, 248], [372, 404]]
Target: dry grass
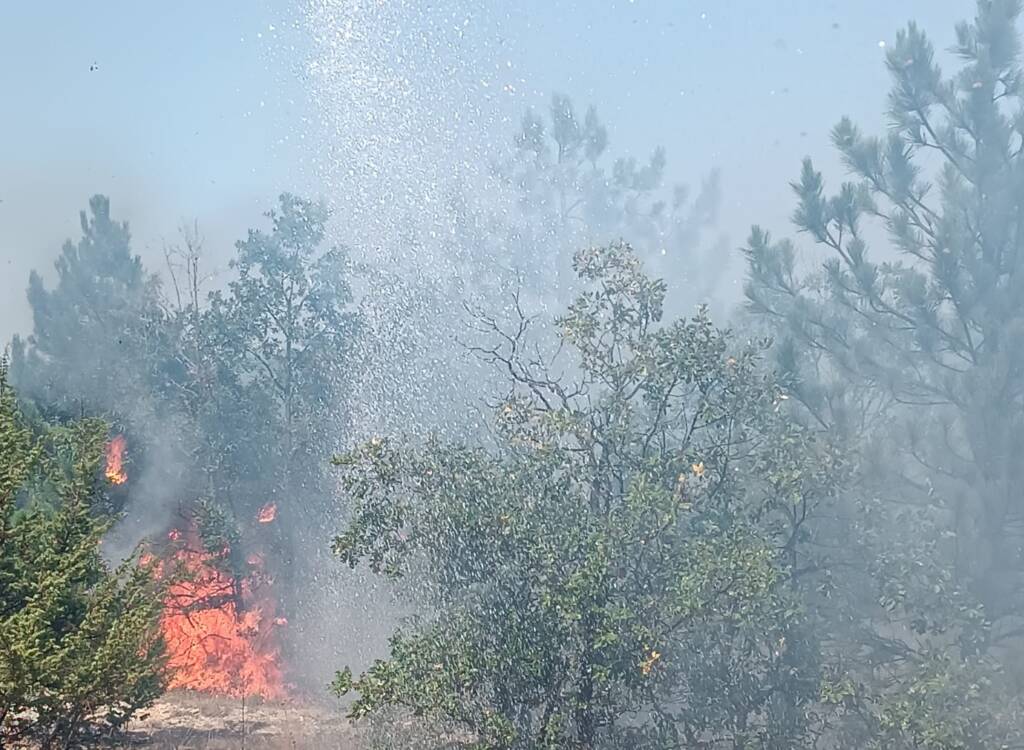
[[189, 721]]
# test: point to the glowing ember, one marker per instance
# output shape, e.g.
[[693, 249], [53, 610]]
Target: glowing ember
[[220, 631], [115, 461], [267, 513]]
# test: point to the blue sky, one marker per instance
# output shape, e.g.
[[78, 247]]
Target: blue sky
[[195, 110]]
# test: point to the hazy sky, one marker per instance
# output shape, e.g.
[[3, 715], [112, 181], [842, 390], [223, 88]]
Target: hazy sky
[[198, 110]]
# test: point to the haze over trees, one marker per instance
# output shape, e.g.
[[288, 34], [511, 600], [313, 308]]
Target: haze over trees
[[555, 183], [229, 398], [615, 523], [617, 569], [903, 372], [912, 364], [572, 191]]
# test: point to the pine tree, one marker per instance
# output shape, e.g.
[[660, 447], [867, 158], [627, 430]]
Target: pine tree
[[912, 355], [80, 652], [571, 192], [99, 337]]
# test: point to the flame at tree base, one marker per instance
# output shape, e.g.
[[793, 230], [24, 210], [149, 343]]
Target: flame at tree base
[[220, 632], [114, 470]]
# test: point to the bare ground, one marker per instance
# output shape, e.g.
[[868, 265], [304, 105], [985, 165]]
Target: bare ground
[[191, 721]]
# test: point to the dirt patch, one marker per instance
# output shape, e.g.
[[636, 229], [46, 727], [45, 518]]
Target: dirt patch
[[190, 721]]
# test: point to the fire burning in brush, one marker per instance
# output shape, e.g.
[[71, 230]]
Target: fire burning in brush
[[219, 623], [221, 630], [115, 472], [267, 513]]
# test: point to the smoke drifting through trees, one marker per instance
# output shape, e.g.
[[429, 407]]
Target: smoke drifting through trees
[[446, 198], [236, 397], [230, 400], [614, 528]]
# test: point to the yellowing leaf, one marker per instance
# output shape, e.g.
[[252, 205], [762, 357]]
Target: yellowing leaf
[[647, 664]]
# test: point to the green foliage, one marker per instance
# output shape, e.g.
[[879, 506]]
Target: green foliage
[[945, 705], [99, 336], [282, 334], [572, 191], [912, 361], [620, 566], [269, 359], [229, 399], [79, 646], [262, 364]]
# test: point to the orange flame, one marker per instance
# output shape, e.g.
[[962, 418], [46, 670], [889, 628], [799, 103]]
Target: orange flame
[[115, 472], [267, 513], [221, 632]]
